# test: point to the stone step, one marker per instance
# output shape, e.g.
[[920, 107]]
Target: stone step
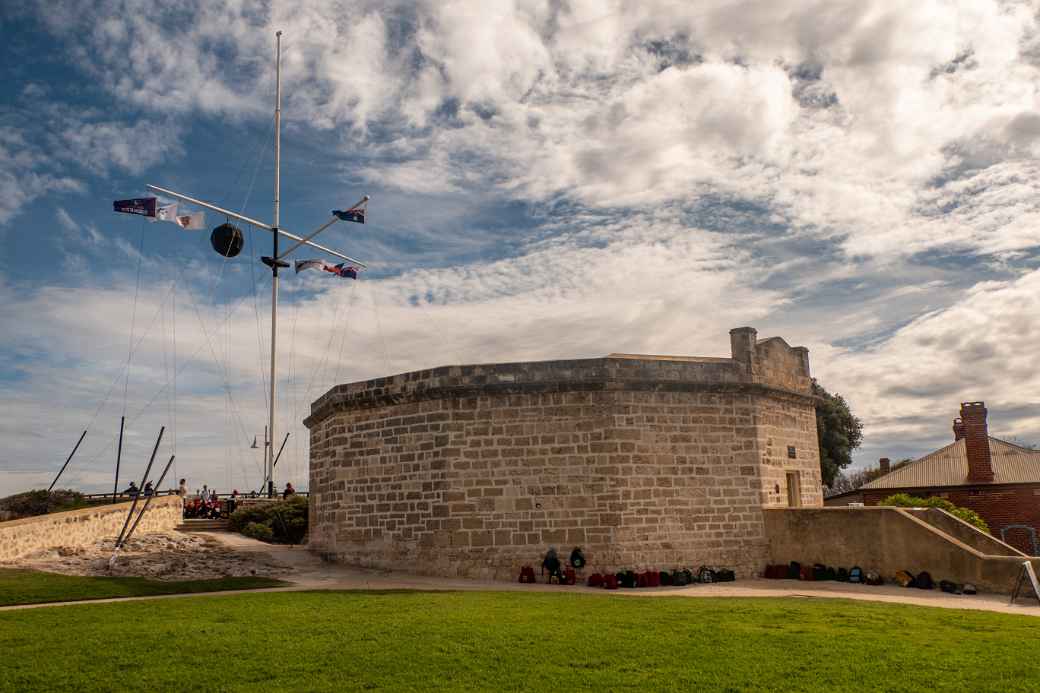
[[202, 525]]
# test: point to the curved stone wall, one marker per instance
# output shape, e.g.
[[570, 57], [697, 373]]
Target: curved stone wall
[[642, 461]]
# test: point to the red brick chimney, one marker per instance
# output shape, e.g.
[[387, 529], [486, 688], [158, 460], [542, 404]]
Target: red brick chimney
[[885, 463], [976, 441], [958, 430]]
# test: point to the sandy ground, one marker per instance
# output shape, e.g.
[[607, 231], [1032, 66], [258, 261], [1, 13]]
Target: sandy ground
[[166, 556], [209, 553]]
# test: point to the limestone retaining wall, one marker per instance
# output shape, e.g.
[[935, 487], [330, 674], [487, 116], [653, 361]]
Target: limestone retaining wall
[[887, 540], [80, 528]]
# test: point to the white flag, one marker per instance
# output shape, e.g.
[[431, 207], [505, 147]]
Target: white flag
[[191, 221], [166, 212]]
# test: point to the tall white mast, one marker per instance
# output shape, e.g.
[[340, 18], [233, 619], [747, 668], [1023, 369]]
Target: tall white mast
[[276, 261], [274, 253]]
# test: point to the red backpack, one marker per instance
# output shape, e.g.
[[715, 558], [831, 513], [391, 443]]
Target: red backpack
[[527, 574], [610, 581], [595, 580], [569, 577]]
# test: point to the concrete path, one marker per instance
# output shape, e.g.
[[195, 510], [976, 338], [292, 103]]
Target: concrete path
[[311, 573]]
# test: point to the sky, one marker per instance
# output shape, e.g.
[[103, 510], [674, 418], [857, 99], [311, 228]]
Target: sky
[[558, 179]]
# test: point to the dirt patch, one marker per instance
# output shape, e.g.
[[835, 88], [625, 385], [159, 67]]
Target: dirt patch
[[164, 556]]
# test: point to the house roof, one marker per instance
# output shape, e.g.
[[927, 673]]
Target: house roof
[[948, 466]]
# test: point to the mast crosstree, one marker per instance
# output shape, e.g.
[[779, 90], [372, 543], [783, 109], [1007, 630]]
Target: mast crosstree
[[276, 260]]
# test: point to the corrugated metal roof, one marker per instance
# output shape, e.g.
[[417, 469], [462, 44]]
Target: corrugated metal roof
[[948, 466]]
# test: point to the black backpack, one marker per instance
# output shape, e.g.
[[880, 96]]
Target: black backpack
[[819, 572], [794, 570], [724, 575], [679, 578], [705, 574], [842, 576], [577, 558], [923, 581], [949, 587], [830, 574], [551, 564], [666, 578], [626, 579]]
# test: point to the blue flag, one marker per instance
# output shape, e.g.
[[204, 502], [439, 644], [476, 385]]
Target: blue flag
[[356, 215]]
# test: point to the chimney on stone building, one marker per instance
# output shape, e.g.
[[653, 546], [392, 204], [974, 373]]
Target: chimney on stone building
[[976, 441], [885, 464], [958, 429], [742, 341]]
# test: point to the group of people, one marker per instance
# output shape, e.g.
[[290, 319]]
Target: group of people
[[205, 502]]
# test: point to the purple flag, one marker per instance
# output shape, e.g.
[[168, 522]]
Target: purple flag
[[145, 206]]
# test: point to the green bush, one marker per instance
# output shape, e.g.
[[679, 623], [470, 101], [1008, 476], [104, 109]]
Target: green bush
[[258, 531], [285, 521], [905, 500], [41, 502]]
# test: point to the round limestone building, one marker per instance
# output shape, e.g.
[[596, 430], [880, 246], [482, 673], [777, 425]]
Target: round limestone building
[[642, 461]]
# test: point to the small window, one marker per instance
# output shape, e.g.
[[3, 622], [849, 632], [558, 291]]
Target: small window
[[791, 452]]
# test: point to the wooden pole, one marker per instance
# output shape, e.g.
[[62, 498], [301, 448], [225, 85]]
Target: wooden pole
[[147, 502], [67, 461], [144, 479], [119, 456]]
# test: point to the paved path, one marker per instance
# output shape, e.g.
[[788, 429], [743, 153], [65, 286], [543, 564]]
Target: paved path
[[311, 573]]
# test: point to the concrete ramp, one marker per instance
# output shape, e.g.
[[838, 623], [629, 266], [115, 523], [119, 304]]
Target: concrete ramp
[[887, 540]]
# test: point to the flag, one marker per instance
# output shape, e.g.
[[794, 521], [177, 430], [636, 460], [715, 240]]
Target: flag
[[344, 270], [191, 222], [357, 215], [309, 264], [166, 212], [145, 206], [341, 270]]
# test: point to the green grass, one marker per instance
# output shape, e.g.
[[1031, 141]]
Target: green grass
[[515, 641], [34, 587]]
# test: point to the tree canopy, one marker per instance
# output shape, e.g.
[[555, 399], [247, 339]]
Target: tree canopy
[[839, 431]]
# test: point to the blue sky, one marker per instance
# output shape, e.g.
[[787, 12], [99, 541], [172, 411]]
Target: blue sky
[[548, 179]]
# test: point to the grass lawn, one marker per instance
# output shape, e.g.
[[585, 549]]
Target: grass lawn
[[34, 587], [515, 641]]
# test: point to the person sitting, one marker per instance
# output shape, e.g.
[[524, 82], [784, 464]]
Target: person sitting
[[149, 490], [289, 491], [131, 490]]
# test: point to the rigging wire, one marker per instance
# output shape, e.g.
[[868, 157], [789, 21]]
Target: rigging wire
[[133, 315]]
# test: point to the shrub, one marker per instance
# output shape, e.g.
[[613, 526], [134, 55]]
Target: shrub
[[905, 500], [258, 531], [285, 521], [41, 502]]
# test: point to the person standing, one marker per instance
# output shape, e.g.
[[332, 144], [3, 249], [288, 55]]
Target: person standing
[[182, 489]]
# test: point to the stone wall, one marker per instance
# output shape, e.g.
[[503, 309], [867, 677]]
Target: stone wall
[[641, 461], [80, 528], [886, 540]]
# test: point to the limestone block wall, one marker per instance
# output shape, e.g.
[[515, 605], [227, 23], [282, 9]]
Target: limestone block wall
[[80, 528], [476, 470]]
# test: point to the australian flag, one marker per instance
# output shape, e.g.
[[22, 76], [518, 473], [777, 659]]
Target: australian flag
[[346, 271], [145, 206], [356, 215]]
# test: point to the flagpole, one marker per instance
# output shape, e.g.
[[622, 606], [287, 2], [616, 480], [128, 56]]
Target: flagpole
[[274, 252]]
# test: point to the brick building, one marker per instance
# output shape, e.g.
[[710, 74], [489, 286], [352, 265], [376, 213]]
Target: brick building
[[997, 479], [643, 461]]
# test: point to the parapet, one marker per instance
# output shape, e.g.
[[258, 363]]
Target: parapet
[[754, 366]]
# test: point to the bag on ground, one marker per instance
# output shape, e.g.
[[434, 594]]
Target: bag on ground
[[855, 574], [527, 574], [904, 578], [923, 581], [794, 570], [595, 580]]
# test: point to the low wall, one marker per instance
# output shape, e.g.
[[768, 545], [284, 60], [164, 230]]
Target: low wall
[[886, 540], [80, 528]]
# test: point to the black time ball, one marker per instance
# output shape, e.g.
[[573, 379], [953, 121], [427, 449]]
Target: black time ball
[[227, 240]]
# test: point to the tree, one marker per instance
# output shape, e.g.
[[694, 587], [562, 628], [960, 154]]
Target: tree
[[905, 500], [850, 481], [838, 430]]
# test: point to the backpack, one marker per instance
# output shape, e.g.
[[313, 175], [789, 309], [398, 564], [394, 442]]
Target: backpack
[[923, 581], [819, 571], [705, 574], [856, 574], [842, 575], [949, 587], [569, 577], [680, 578], [724, 575], [830, 574], [794, 570], [905, 579], [577, 558], [873, 578], [551, 563], [610, 582], [806, 573], [595, 580], [527, 574], [643, 579], [626, 579], [666, 578], [968, 588]]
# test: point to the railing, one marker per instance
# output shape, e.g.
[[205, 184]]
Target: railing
[[101, 497]]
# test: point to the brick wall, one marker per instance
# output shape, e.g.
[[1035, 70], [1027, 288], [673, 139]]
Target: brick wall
[[999, 505], [476, 470]]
